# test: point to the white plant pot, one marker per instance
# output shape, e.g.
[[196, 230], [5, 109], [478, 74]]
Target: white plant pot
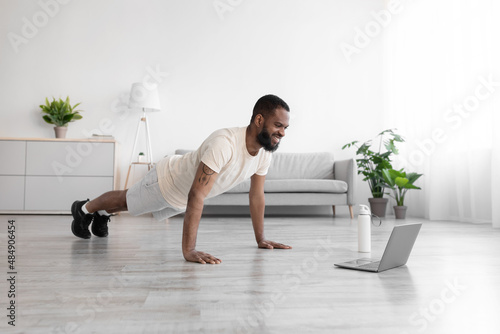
[[60, 131]]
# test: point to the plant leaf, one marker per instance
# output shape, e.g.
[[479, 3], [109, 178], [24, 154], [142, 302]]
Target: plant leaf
[[413, 177], [401, 181], [47, 119], [391, 147], [398, 138], [67, 118], [385, 131], [343, 147], [388, 178]]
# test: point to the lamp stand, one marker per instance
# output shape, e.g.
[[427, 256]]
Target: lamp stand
[[149, 161]]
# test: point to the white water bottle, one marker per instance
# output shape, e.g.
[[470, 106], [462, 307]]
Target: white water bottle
[[364, 230]]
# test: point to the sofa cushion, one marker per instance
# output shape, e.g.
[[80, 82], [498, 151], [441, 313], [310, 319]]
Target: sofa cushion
[[318, 165], [295, 186]]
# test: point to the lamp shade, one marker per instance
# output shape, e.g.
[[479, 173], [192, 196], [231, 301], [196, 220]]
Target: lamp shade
[[144, 97]]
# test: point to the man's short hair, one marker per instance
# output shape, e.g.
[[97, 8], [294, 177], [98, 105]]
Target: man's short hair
[[267, 105]]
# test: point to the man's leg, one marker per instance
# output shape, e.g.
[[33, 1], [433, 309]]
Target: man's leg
[[97, 211], [112, 202], [142, 196]]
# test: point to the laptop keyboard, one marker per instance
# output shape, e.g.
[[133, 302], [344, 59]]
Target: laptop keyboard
[[373, 265]]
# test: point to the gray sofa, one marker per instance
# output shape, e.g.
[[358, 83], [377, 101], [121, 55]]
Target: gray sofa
[[299, 179]]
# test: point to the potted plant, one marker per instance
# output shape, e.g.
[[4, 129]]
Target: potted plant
[[400, 182], [141, 157], [60, 113], [372, 163]]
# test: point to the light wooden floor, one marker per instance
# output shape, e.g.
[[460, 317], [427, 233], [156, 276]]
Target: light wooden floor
[[136, 281]]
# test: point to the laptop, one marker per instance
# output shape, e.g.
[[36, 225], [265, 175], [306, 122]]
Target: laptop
[[396, 252]]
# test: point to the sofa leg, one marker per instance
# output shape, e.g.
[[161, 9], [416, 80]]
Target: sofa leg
[[350, 211], [333, 207]]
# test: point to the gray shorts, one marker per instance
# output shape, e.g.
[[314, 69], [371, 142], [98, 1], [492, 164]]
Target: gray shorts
[[145, 197]]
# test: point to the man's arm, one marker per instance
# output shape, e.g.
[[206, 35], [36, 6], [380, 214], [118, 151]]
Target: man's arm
[[257, 208], [202, 184]]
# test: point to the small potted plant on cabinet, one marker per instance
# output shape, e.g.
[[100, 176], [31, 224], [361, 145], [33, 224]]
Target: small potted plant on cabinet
[[372, 163], [60, 113], [400, 182]]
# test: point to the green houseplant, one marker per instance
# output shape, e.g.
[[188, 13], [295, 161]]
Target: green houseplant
[[400, 182], [60, 113], [371, 163]]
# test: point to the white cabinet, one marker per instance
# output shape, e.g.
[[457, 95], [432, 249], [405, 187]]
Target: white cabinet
[[69, 158], [48, 193], [11, 192], [12, 170], [48, 175], [12, 157]]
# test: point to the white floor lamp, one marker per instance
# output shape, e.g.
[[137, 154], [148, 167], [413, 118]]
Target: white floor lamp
[[143, 98]]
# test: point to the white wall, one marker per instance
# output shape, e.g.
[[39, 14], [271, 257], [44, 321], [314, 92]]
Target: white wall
[[217, 65]]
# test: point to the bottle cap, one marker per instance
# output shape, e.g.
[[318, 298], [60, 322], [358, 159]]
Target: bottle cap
[[364, 210]]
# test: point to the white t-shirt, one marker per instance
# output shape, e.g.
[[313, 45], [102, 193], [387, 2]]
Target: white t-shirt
[[225, 152]]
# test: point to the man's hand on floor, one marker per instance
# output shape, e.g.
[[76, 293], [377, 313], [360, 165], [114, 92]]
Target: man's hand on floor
[[271, 244], [201, 257]]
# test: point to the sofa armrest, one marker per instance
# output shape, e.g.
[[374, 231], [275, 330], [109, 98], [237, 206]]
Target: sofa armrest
[[345, 170]]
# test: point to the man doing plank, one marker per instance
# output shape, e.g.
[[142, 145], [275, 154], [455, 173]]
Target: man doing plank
[[182, 182]]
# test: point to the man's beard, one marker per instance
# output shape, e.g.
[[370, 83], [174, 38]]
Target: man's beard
[[266, 140]]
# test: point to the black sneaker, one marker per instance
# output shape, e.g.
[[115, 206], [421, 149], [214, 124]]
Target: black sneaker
[[81, 220], [100, 225]]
